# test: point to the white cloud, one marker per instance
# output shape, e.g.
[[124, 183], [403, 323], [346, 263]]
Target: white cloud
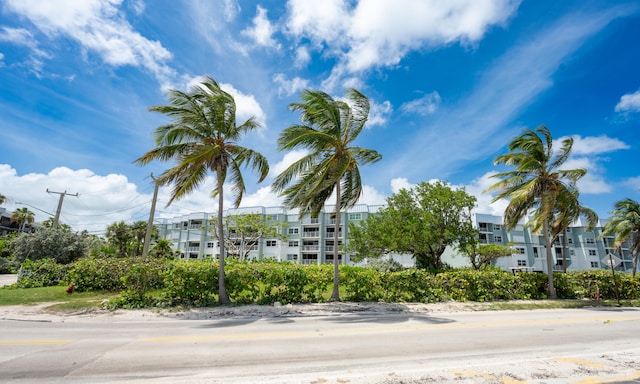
[[262, 31], [246, 105], [633, 182], [380, 33], [138, 6], [425, 105], [378, 113], [100, 28], [288, 87], [593, 182], [400, 183], [629, 103], [592, 145], [288, 159], [302, 56]]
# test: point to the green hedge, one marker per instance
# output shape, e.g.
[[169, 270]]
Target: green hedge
[[195, 283]]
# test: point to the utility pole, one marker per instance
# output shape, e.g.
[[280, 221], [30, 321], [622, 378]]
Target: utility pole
[[147, 237], [56, 220]]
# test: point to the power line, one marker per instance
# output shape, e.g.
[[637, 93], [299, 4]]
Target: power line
[[62, 195]]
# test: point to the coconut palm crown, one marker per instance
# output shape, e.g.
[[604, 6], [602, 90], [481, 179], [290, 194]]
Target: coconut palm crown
[[537, 184], [203, 137], [327, 132]]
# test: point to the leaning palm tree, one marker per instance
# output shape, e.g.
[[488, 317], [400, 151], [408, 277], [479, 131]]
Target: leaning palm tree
[[568, 210], [537, 183], [328, 130], [22, 217], [624, 224], [203, 137]]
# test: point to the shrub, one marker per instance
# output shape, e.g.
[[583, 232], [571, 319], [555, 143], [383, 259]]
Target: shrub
[[42, 273], [59, 244], [115, 274], [191, 283]]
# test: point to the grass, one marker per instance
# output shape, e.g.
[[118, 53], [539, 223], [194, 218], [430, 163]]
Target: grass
[[559, 304], [58, 296]]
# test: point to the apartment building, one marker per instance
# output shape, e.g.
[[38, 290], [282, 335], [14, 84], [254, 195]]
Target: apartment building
[[310, 240]]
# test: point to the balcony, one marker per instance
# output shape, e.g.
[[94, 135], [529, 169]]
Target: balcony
[[314, 248], [311, 234]]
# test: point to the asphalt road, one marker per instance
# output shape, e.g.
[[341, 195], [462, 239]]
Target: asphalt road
[[540, 346]]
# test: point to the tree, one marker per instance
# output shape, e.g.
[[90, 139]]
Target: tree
[[624, 224], [203, 137], [59, 244], [162, 249], [120, 235], [3, 198], [536, 184], [48, 223], [568, 209], [139, 231], [328, 130], [481, 255], [22, 217], [421, 221], [244, 231]]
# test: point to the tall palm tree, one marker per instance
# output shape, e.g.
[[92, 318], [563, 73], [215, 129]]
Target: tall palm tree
[[537, 183], [327, 131], [625, 225], [22, 217], [568, 209], [203, 137]]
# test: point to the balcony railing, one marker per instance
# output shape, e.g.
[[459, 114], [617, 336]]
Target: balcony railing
[[310, 247], [311, 234]]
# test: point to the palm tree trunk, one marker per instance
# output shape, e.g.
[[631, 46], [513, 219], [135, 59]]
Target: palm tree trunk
[[223, 297], [335, 295], [635, 264], [547, 240]]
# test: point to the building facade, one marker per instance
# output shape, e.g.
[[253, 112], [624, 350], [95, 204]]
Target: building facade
[[309, 240]]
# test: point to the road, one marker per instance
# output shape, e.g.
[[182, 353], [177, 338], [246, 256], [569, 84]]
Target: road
[[541, 346]]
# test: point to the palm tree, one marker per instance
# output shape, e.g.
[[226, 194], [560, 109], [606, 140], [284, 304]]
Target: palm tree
[[568, 210], [22, 217], [537, 183], [625, 225], [203, 137], [120, 235], [328, 129]]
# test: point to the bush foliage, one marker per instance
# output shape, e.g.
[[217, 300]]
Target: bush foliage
[[195, 283]]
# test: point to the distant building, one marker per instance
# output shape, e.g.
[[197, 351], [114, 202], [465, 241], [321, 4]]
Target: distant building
[[311, 241]]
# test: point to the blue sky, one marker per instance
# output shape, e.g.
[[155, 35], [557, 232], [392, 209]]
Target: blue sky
[[450, 83]]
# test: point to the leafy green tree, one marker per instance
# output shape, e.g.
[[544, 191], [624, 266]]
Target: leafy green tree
[[60, 244], [624, 224], [421, 221], [139, 231], [329, 128], [244, 231], [203, 137], [22, 217], [482, 255], [537, 183]]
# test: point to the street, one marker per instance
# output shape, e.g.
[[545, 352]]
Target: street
[[532, 346]]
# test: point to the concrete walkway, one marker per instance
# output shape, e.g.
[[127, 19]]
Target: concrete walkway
[[8, 279]]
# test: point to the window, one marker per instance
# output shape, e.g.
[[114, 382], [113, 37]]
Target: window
[[569, 230], [293, 243], [520, 250], [482, 226], [535, 252], [559, 262], [497, 227], [558, 251], [592, 252], [594, 264], [590, 240], [210, 244], [572, 252], [522, 263], [483, 238], [569, 241], [355, 216], [271, 243], [293, 231], [498, 239], [292, 256]]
